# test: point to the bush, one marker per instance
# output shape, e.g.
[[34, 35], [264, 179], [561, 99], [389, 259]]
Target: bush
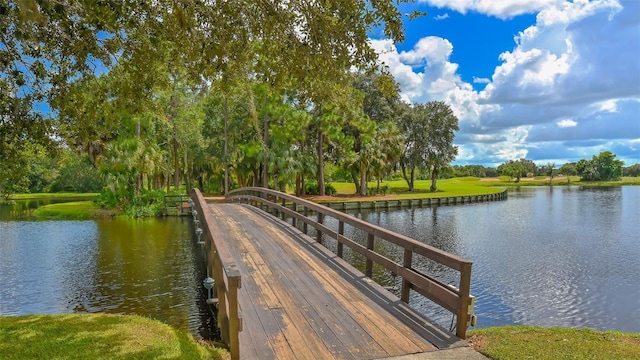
[[312, 188]]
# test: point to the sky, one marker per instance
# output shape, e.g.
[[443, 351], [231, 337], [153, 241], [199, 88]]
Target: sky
[[552, 81]]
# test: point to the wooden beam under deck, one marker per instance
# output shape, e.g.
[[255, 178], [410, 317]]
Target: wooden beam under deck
[[300, 301]]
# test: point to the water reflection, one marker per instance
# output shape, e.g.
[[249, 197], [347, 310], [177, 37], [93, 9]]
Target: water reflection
[[147, 267], [563, 256]]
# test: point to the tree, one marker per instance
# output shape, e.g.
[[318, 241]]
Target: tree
[[309, 45], [568, 169], [512, 169], [603, 167], [429, 132], [377, 141], [548, 170], [633, 170]]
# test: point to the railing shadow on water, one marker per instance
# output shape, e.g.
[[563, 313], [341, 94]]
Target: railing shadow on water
[[406, 254]]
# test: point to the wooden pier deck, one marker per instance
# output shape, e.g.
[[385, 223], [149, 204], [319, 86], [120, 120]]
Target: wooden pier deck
[[298, 300]]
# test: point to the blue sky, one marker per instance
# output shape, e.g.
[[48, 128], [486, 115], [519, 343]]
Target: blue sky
[[549, 80]]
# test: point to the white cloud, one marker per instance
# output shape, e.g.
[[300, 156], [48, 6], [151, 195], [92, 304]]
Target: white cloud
[[579, 64], [442, 17], [566, 123], [477, 80], [502, 9]]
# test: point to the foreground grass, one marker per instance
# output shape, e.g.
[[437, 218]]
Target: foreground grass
[[526, 342], [76, 210], [96, 336]]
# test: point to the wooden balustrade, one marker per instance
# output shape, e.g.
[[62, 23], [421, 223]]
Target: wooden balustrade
[[456, 300], [226, 275]]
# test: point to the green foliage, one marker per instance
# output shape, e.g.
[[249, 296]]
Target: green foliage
[[473, 170], [516, 169], [312, 188], [77, 174], [603, 167], [633, 170], [429, 130]]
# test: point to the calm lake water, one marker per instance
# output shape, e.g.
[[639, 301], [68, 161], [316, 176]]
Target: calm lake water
[[562, 256], [148, 267]]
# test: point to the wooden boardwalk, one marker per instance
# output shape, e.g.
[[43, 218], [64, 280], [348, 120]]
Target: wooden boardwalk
[[298, 300]]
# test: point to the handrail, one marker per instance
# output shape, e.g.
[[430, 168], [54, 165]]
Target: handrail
[[226, 275], [456, 300]]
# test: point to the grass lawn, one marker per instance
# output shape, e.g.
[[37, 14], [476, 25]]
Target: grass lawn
[[398, 189], [52, 195], [97, 336], [76, 210], [526, 342]]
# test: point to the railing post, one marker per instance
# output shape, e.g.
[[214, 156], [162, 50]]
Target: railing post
[[341, 232], [369, 265], [234, 320], [406, 285], [318, 232], [283, 213], [304, 225], [464, 292]]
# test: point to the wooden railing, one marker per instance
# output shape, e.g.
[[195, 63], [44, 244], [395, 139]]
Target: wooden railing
[[176, 205], [226, 275], [456, 300]]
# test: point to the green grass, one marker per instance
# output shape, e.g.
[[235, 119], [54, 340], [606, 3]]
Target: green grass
[[76, 210], [398, 189], [52, 195], [96, 336], [526, 342]]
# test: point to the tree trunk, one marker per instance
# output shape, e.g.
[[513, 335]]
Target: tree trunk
[[364, 188], [138, 176], [406, 178], [187, 176], [321, 190], [413, 178], [265, 161], [176, 160], [226, 141], [356, 182], [434, 179]]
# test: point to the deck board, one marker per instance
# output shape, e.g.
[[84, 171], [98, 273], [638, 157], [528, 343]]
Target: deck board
[[300, 301]]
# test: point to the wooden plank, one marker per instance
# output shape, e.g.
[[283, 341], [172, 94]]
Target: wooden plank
[[375, 321], [320, 312]]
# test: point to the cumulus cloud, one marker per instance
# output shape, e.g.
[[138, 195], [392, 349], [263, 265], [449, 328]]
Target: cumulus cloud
[[566, 123], [571, 82], [442, 17], [477, 80], [501, 9]]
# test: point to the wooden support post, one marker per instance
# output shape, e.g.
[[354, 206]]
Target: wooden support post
[[369, 264], [406, 285], [341, 232], [318, 232], [465, 289], [283, 205], [234, 319], [304, 225]]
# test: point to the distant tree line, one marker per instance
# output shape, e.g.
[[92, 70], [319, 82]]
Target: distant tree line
[[601, 167]]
